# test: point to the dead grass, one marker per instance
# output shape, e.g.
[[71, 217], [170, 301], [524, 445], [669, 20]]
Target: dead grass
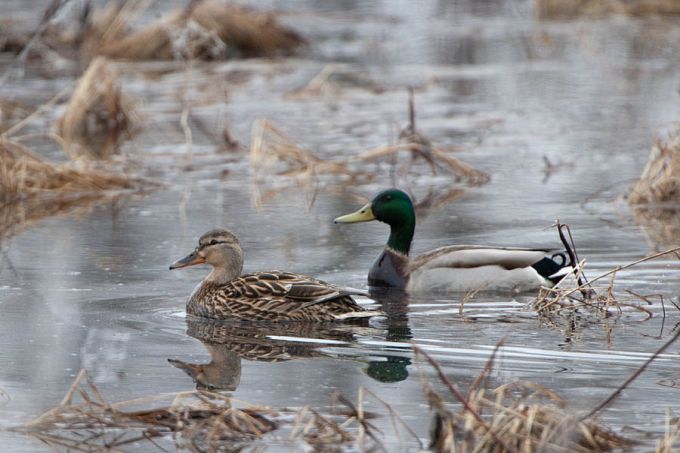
[[660, 179], [273, 152], [10, 113], [569, 304], [24, 175], [84, 421], [572, 9], [662, 225], [196, 420], [204, 30], [671, 436], [517, 417], [98, 116], [32, 189]]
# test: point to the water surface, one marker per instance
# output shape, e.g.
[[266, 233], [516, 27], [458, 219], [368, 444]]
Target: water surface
[[92, 290]]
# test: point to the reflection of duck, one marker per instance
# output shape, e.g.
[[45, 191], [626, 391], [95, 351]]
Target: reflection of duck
[[222, 373], [452, 268], [228, 343], [273, 295], [392, 369]]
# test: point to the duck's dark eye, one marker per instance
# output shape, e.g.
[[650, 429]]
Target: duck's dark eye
[[214, 241], [388, 197]]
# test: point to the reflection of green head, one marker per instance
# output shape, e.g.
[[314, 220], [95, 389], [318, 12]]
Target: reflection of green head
[[391, 370]]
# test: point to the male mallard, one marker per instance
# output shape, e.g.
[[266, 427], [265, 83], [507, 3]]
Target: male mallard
[[273, 295], [452, 268]]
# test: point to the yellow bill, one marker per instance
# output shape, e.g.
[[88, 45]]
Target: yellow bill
[[364, 214]]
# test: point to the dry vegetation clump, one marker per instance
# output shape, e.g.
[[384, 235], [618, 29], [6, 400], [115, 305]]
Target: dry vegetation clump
[[204, 29], [32, 189], [11, 41], [10, 113], [84, 421], [671, 436], [517, 417], [660, 179], [98, 116], [661, 224], [273, 153], [25, 175], [559, 304], [196, 420], [572, 9]]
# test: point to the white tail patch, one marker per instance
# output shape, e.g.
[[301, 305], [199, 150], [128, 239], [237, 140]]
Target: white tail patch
[[358, 314]]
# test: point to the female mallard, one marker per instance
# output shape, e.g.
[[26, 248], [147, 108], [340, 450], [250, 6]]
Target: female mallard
[[273, 295], [451, 268]]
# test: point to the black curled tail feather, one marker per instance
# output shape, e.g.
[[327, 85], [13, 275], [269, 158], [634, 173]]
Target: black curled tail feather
[[550, 267]]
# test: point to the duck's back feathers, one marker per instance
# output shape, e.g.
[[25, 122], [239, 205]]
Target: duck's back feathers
[[471, 256], [465, 268], [275, 295]]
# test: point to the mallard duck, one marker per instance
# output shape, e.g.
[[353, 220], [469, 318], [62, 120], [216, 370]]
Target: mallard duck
[[450, 268], [272, 295]]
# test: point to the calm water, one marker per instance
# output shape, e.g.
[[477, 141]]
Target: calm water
[[92, 290]]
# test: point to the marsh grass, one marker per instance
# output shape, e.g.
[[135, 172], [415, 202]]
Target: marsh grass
[[10, 113], [23, 175], [273, 153], [203, 30], [573, 9], [516, 417], [601, 300], [98, 116], [85, 421], [660, 179], [195, 420], [32, 188], [660, 223]]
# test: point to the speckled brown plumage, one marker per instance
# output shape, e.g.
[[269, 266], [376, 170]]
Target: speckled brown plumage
[[261, 296], [272, 295]]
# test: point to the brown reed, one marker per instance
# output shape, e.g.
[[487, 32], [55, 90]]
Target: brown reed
[[204, 30], [573, 9], [98, 116]]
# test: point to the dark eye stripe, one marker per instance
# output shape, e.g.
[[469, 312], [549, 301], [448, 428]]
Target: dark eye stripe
[[213, 242]]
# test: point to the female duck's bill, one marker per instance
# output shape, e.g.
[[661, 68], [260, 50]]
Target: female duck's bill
[[190, 260], [450, 268]]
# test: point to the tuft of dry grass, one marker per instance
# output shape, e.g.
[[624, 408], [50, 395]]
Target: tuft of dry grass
[[32, 189], [98, 116], [660, 179], [420, 147], [203, 30], [661, 224], [10, 113], [516, 417], [84, 421], [272, 152], [195, 420], [599, 299], [671, 436], [24, 175], [573, 9]]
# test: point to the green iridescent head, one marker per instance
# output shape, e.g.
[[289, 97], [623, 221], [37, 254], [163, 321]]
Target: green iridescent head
[[393, 207]]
